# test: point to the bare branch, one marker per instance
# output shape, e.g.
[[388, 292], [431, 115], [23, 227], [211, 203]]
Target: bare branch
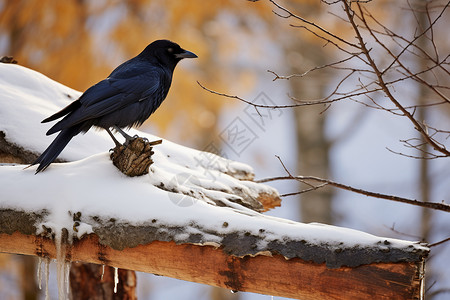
[[290, 14], [429, 155], [365, 56], [396, 57], [439, 243], [350, 15], [310, 70], [415, 237], [256, 106], [410, 43], [324, 182]]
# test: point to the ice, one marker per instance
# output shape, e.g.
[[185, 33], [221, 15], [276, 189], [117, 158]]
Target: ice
[[67, 265], [103, 272], [39, 272], [116, 279], [62, 267]]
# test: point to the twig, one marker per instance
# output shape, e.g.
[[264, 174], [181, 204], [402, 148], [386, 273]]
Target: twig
[[290, 14], [333, 64], [439, 243], [256, 106], [392, 228]]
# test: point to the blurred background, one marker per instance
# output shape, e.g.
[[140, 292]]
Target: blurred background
[[78, 43]]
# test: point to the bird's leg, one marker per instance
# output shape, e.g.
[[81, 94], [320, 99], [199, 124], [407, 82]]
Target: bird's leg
[[127, 137], [114, 139]]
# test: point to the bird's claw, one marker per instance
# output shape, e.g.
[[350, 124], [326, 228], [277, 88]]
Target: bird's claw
[[129, 140], [144, 138]]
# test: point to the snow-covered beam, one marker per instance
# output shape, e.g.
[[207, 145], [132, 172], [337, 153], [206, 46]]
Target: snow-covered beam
[[272, 275], [238, 250]]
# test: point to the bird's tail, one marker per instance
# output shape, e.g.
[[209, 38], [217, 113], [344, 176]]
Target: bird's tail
[[55, 148]]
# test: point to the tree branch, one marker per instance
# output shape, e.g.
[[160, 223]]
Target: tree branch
[[324, 182], [433, 205], [350, 15]]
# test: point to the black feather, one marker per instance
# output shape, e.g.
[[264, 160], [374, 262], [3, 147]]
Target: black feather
[[130, 94]]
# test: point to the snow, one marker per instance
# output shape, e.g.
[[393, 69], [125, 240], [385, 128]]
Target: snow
[[91, 185], [103, 191]]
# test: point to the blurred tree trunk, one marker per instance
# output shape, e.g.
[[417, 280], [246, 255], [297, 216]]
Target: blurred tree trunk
[[312, 145], [87, 282], [28, 283], [223, 294], [424, 182]]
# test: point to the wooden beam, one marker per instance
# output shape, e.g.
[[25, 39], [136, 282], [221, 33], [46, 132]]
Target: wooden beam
[[272, 275]]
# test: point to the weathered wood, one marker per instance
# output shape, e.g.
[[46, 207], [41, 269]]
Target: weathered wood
[[273, 275], [134, 158], [8, 60], [13, 153]]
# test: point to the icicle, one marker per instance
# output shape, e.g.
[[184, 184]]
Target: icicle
[[66, 277], [39, 272], [62, 268], [60, 255], [103, 272], [116, 279], [47, 275]]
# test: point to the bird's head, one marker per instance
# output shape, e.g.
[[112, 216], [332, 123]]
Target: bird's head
[[166, 52]]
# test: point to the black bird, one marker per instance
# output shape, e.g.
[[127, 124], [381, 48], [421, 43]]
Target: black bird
[[130, 94]]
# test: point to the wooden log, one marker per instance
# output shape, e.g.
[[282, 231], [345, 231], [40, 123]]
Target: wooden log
[[272, 275]]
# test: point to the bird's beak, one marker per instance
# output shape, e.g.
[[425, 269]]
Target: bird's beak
[[186, 54]]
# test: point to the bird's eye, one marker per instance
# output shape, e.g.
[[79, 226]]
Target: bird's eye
[[170, 50]]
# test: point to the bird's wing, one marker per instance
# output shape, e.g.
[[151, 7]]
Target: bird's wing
[[134, 82], [113, 94]]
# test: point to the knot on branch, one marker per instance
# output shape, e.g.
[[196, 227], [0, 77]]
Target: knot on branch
[[134, 158]]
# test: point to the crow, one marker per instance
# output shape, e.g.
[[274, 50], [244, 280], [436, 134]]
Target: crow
[[126, 98]]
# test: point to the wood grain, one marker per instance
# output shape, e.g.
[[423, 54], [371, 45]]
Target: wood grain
[[271, 275]]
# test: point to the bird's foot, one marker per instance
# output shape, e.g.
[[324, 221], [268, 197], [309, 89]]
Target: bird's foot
[[144, 138], [132, 138]]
